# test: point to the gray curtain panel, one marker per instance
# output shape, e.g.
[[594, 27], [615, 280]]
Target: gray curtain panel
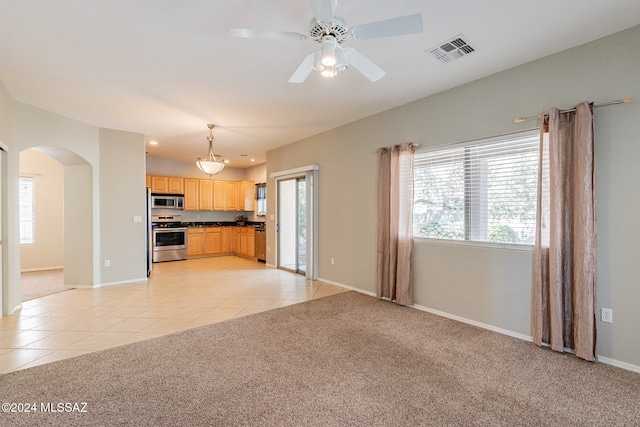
[[565, 249], [395, 224]]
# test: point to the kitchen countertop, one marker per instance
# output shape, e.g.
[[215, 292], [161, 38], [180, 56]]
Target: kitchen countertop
[[199, 224]]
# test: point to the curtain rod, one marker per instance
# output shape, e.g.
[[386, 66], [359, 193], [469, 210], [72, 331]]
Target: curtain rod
[[619, 101], [413, 144]]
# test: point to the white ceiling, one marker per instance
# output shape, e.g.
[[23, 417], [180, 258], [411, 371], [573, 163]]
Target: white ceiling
[[166, 68]]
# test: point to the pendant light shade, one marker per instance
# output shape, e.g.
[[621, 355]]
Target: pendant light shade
[[210, 165]]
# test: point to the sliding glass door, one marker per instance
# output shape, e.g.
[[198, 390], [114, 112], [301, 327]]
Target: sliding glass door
[[292, 224]]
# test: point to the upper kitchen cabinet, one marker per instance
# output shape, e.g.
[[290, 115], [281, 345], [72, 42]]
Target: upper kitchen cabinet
[[206, 194], [231, 191], [205, 189], [167, 184], [219, 195], [191, 194], [245, 196], [233, 196]]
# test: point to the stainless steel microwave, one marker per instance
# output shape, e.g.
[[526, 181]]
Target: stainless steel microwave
[[167, 201]]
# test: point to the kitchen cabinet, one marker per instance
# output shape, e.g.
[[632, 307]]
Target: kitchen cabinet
[[226, 240], [167, 184], [231, 196], [246, 195], [219, 195], [205, 194], [195, 242], [213, 240], [247, 242], [236, 240], [159, 184], [176, 185], [191, 192], [251, 242]]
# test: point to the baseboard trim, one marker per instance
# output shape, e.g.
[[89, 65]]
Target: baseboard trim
[[14, 309], [30, 270], [122, 282], [351, 288], [619, 364], [473, 322]]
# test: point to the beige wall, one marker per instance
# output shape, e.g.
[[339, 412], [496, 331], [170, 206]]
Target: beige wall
[[48, 250], [122, 197], [491, 286], [94, 180]]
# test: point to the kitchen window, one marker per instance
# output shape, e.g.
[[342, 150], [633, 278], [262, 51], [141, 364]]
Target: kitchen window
[[482, 191], [26, 196], [261, 197]]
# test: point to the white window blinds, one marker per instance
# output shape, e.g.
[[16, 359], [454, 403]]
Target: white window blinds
[[483, 191], [26, 198]]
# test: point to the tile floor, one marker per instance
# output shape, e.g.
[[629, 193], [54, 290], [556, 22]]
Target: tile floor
[[178, 296]]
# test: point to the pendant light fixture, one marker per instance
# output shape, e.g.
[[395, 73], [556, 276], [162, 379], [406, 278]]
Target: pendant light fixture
[[210, 165]]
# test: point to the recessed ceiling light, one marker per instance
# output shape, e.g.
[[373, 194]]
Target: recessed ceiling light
[[226, 161], [153, 142], [253, 160]]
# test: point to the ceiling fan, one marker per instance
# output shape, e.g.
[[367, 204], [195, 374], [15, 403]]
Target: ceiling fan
[[330, 31]]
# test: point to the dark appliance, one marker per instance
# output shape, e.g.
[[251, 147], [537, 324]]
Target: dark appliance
[[169, 238], [261, 243]]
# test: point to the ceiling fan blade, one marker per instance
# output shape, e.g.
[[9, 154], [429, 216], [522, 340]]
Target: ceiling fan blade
[[363, 64], [266, 34], [409, 24], [300, 75], [323, 10]]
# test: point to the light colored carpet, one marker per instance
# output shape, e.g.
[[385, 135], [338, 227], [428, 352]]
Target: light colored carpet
[[38, 284], [343, 360]]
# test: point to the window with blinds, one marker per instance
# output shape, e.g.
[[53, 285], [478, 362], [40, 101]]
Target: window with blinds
[[27, 210], [483, 191]]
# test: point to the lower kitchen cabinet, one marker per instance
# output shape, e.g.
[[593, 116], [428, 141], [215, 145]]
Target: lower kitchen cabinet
[[195, 242], [226, 239], [212, 241]]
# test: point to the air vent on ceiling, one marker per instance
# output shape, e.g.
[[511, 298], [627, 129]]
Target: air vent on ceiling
[[451, 50]]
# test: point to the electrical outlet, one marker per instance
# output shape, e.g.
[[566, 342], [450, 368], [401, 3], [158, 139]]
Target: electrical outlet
[[333, 261], [107, 263], [607, 315]]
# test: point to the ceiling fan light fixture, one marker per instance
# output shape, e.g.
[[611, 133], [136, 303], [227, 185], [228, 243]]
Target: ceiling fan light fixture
[[341, 60], [210, 164], [328, 72], [329, 51], [317, 60]]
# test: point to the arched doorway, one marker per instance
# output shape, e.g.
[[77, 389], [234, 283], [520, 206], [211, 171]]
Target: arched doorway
[[41, 194], [63, 217]]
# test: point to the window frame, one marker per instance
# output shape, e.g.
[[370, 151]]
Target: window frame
[[472, 243]]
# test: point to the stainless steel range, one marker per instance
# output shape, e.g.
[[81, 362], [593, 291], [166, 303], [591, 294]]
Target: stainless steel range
[[169, 238]]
